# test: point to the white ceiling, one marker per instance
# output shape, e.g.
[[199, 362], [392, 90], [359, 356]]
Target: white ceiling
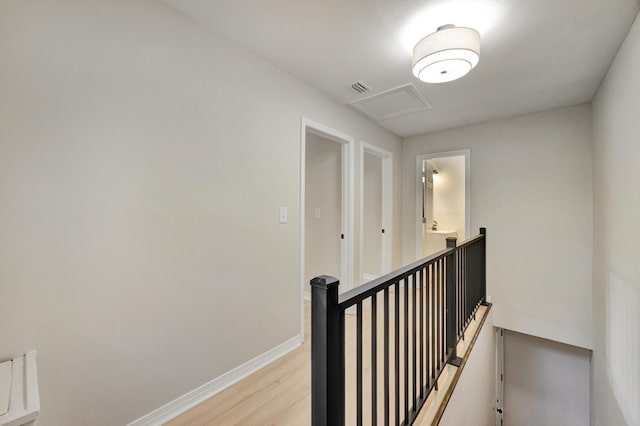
[[535, 54]]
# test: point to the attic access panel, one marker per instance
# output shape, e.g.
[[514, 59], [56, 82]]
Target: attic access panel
[[401, 100]]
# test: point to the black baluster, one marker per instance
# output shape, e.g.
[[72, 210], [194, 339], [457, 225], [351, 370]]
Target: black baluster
[[451, 316], [483, 273], [421, 329], [433, 323], [439, 309], [386, 356], [359, 363], [414, 336], [406, 349], [374, 359], [397, 347]]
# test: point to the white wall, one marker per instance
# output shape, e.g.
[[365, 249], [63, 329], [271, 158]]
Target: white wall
[[472, 402], [448, 194], [323, 191], [616, 282], [531, 187], [545, 382], [372, 215], [143, 160]]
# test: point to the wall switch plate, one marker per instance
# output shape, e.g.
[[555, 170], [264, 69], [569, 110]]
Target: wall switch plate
[[283, 215], [317, 213]]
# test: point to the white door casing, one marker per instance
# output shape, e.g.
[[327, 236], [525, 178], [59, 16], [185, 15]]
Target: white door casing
[[347, 204]]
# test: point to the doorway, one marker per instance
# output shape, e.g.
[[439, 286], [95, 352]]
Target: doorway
[[442, 200], [375, 211], [326, 207]]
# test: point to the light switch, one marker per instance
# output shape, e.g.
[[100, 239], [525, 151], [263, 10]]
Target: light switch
[[317, 213], [283, 214]]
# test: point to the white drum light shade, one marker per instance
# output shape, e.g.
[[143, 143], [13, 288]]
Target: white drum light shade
[[446, 55]]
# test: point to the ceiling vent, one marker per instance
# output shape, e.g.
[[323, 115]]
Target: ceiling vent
[[392, 103], [360, 87]]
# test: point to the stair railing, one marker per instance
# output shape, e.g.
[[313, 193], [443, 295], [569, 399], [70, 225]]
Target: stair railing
[[419, 312]]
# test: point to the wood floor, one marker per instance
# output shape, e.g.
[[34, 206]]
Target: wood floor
[[280, 394]]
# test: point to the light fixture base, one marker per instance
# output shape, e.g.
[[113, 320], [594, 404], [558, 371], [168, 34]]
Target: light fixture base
[[445, 27]]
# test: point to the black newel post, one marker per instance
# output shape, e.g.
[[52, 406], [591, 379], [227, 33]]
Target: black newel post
[[451, 297], [327, 353], [483, 273]]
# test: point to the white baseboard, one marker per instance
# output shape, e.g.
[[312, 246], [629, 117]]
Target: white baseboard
[[189, 400]]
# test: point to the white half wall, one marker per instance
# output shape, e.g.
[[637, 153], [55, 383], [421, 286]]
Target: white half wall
[[616, 273], [545, 382], [143, 161], [473, 399], [531, 186]]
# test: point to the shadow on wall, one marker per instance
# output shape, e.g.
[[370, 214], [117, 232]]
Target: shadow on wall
[[622, 316]]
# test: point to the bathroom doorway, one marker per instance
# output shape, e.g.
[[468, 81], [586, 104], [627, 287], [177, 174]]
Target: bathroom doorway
[[442, 200]]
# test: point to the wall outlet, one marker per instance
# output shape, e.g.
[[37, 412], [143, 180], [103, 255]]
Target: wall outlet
[[283, 215]]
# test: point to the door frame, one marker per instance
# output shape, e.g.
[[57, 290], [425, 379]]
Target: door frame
[[387, 207], [467, 191], [347, 204]]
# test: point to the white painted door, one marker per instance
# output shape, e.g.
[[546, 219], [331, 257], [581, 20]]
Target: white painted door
[[323, 208]]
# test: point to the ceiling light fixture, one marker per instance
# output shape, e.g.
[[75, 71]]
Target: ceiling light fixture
[[446, 55]]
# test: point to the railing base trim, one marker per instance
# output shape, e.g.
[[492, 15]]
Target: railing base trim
[[455, 361]]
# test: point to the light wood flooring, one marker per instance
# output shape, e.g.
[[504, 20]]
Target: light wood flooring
[[280, 394]]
